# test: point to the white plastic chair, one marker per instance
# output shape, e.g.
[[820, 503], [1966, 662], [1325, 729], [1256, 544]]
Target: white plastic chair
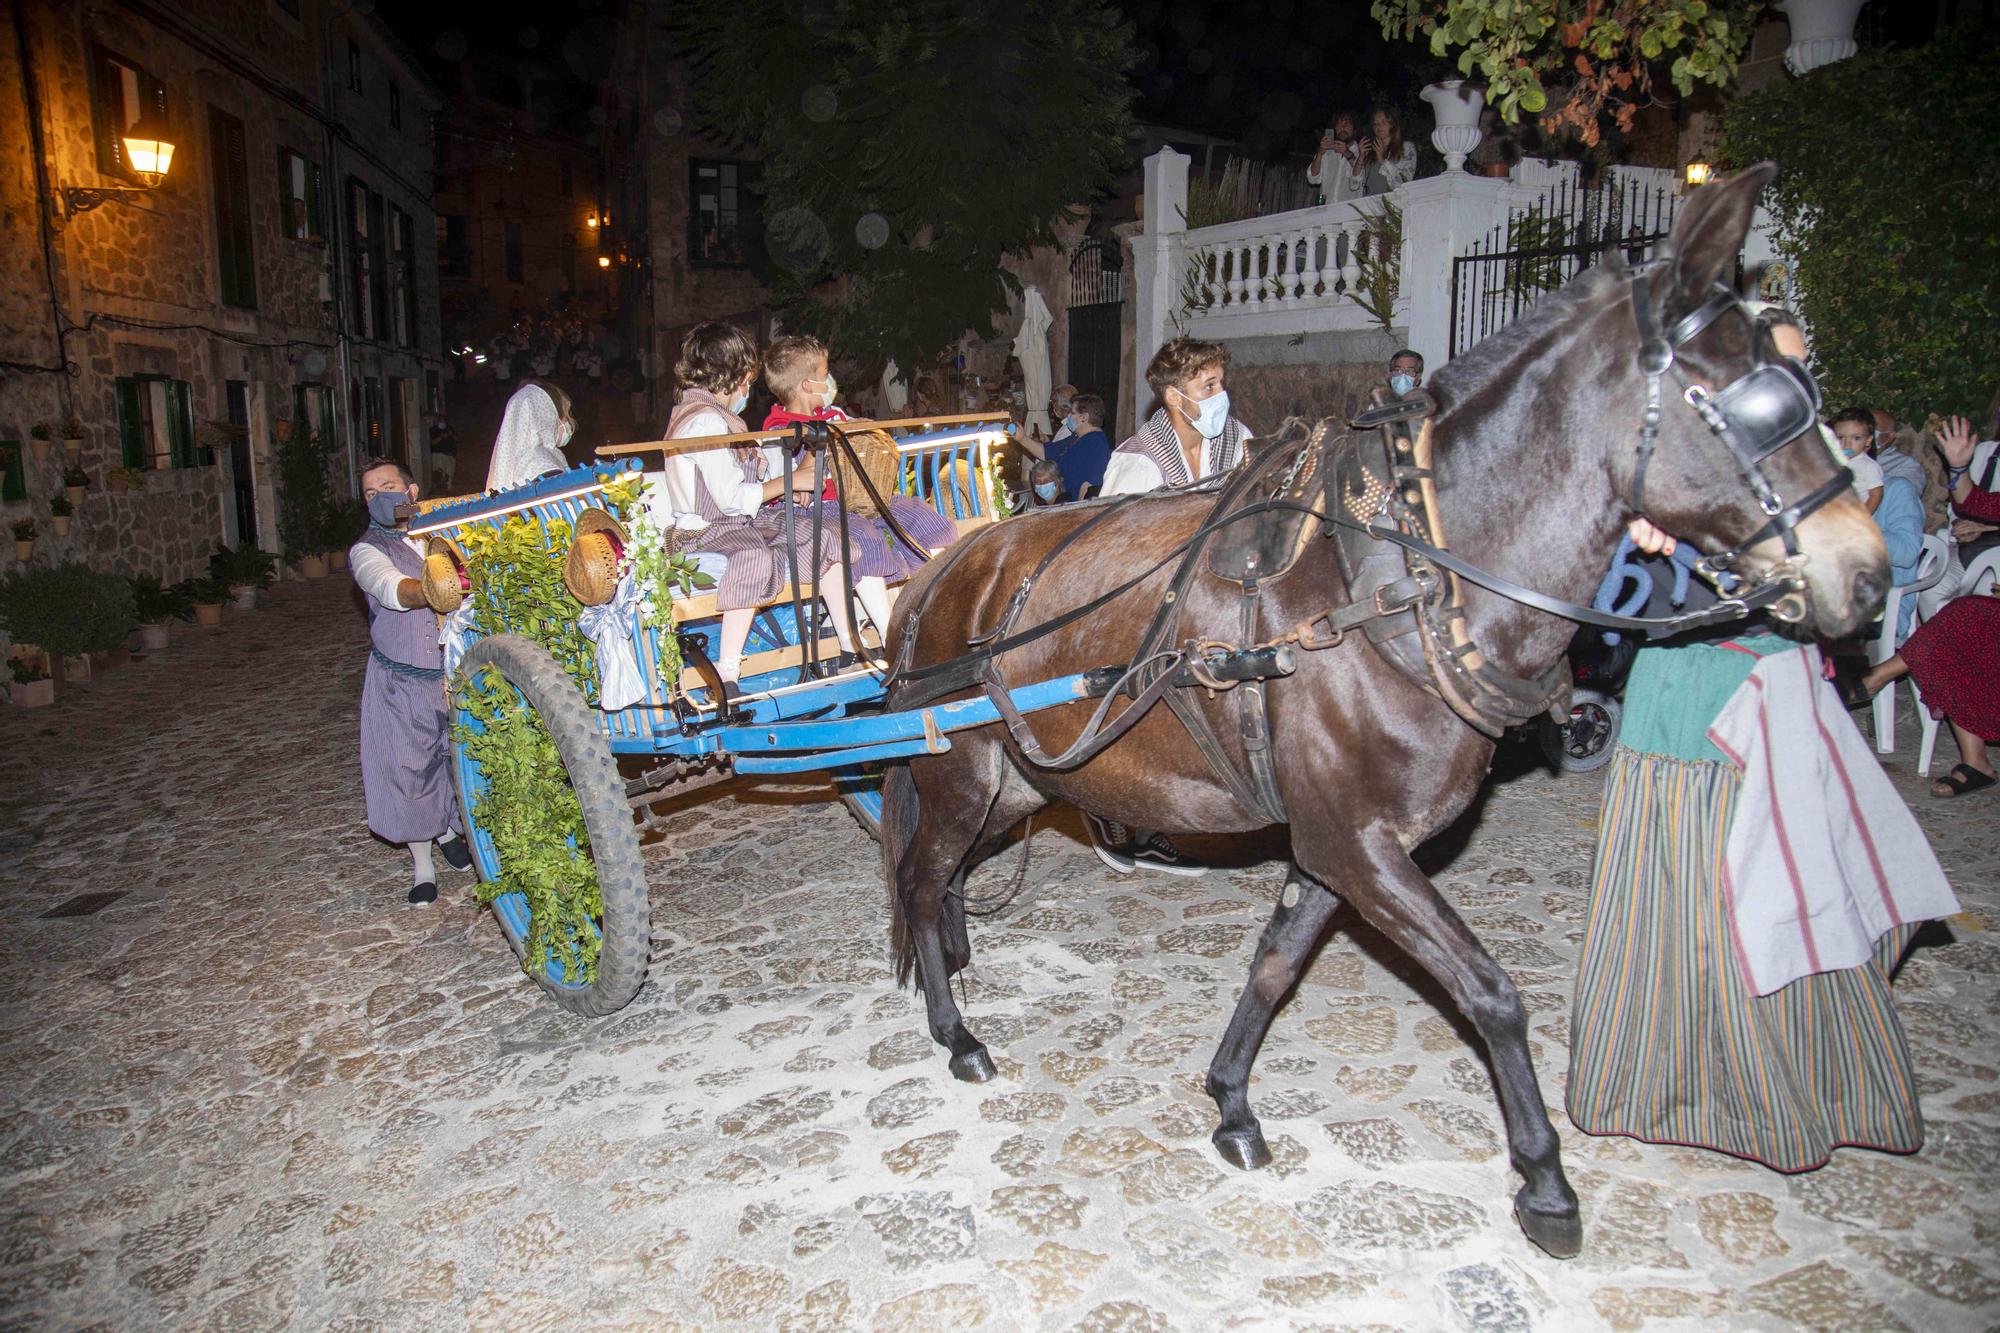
[[1930, 568], [1979, 575]]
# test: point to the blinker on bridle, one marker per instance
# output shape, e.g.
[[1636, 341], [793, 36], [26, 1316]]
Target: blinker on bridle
[[1755, 415]]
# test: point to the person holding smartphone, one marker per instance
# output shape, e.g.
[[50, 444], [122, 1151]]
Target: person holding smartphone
[[1335, 166]]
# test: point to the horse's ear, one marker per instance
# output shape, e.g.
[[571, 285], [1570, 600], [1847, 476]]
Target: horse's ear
[[1709, 234]]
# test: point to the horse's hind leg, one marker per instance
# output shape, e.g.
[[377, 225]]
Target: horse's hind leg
[[1303, 910], [956, 810], [1387, 888]]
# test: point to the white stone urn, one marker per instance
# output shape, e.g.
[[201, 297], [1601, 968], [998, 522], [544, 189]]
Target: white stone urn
[[1822, 32], [1456, 103]]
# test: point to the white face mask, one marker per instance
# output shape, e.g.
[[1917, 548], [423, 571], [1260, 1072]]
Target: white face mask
[[568, 430], [832, 388], [1210, 415], [739, 402]]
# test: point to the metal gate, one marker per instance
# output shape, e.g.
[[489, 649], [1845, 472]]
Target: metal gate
[[1543, 246], [1096, 310]]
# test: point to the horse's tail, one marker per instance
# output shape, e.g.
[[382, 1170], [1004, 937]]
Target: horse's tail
[[899, 830]]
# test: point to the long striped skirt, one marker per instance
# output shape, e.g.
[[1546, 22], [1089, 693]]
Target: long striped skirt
[[1667, 1044], [759, 562]]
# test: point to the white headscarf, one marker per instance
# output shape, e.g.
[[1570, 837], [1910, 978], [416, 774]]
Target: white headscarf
[[530, 440]]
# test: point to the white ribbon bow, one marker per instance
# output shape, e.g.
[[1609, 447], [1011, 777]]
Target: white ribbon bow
[[452, 635], [610, 627]]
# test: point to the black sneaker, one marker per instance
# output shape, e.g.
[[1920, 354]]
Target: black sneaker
[[1126, 850], [426, 892], [457, 854]]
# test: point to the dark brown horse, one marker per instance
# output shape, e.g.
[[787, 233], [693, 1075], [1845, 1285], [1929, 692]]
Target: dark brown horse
[[1535, 440]]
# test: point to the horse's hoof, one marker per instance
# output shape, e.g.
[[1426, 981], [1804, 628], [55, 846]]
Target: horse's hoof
[[975, 1066], [1242, 1148], [1559, 1234]]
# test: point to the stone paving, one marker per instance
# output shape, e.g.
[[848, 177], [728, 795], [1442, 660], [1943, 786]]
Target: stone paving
[[259, 1091]]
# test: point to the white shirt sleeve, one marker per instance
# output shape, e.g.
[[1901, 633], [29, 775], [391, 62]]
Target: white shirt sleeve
[[1402, 169], [726, 486], [1131, 474], [376, 574]]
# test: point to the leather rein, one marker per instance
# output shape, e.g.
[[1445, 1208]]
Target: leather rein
[[1422, 608]]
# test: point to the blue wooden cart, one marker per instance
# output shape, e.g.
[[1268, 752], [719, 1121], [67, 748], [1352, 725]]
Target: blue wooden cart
[[795, 715]]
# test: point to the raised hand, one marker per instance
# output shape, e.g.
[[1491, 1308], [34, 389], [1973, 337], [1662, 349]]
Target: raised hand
[[1955, 441], [1649, 538]]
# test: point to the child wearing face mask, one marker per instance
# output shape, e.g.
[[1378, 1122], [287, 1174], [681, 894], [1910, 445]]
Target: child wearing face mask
[[532, 435], [715, 500], [796, 373], [405, 735], [1191, 435]]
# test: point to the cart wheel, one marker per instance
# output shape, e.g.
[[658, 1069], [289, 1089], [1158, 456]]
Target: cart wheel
[[1586, 742], [626, 926]]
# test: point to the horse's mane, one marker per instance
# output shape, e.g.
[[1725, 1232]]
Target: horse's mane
[[1469, 372]]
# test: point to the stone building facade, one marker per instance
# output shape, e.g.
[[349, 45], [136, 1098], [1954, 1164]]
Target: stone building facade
[[177, 323]]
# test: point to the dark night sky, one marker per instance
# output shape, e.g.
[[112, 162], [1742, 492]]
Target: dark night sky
[[1267, 71]]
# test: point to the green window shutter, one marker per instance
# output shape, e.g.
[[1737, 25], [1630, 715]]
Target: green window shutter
[[180, 423], [131, 441], [235, 258]]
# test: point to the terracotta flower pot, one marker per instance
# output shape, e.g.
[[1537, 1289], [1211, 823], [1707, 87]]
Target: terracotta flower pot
[[116, 480], [208, 613], [243, 596], [73, 446], [75, 494], [34, 694], [1496, 170], [40, 448], [75, 670], [336, 559], [59, 524], [313, 566], [24, 551], [153, 635]]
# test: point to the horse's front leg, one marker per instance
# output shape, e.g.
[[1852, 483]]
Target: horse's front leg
[[1303, 910], [1385, 886]]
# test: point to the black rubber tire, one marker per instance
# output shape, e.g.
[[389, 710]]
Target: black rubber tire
[[614, 836], [1609, 716]]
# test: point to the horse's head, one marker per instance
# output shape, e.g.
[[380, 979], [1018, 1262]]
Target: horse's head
[[1737, 464]]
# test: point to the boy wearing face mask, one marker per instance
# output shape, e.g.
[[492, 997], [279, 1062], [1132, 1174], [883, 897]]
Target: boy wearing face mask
[[1406, 372], [1191, 435], [405, 735]]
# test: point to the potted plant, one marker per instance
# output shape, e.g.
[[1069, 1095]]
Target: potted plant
[[75, 482], [41, 437], [73, 437], [66, 610], [60, 509], [125, 478], [156, 605], [206, 597], [110, 616], [305, 498], [24, 539], [346, 521], [32, 686], [242, 571]]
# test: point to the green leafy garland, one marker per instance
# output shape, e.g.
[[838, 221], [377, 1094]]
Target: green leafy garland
[[528, 807]]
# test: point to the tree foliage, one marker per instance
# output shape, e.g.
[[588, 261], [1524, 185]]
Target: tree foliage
[[906, 145], [1575, 63], [1887, 166]]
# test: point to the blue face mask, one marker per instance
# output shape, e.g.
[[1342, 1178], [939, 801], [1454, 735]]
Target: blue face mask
[[1210, 414], [1403, 384], [1072, 425], [382, 507], [1048, 491]]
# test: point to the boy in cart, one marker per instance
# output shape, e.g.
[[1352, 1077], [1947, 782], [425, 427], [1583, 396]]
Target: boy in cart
[[405, 734]]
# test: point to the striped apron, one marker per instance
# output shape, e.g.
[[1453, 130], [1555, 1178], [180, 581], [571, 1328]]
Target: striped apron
[[754, 544]]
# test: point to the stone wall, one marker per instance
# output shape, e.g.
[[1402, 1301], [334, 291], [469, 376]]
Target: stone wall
[[137, 277], [1263, 396]]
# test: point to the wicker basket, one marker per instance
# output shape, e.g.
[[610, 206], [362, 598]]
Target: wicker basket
[[877, 454]]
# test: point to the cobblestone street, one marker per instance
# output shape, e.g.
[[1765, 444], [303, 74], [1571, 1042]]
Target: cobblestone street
[[260, 1091]]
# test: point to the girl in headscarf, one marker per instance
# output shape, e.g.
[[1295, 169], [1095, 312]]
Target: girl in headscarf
[[532, 436]]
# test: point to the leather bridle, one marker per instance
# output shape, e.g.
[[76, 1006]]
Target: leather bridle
[[1754, 416]]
